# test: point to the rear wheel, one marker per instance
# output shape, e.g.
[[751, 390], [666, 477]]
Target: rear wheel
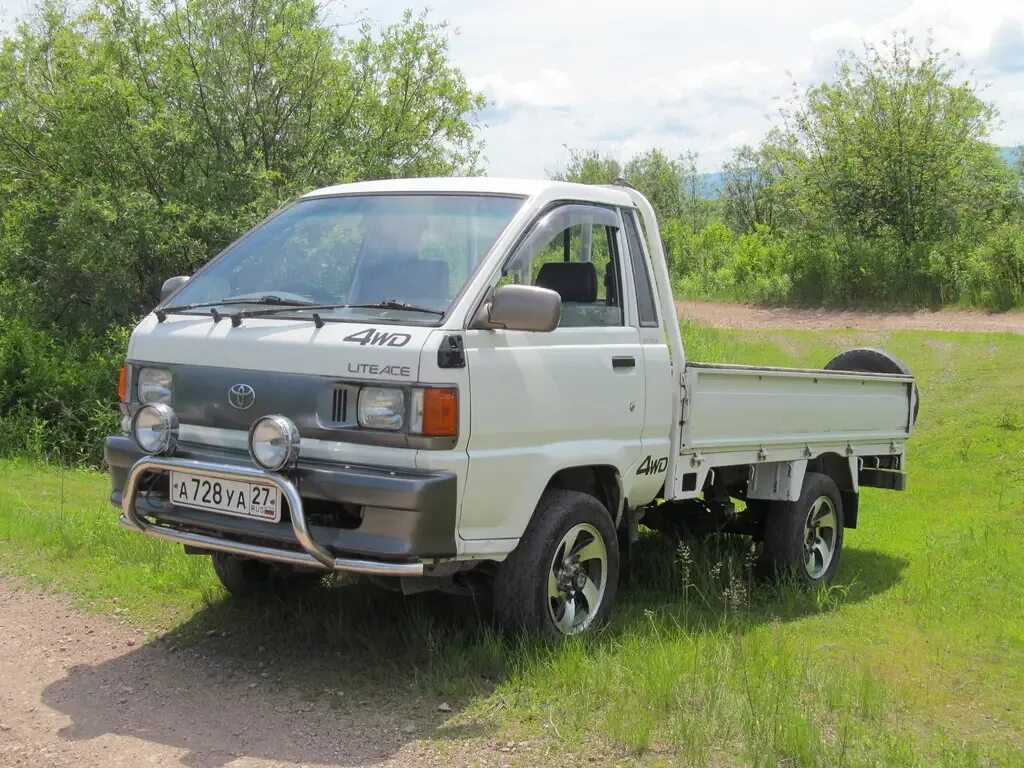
[[804, 538], [562, 578]]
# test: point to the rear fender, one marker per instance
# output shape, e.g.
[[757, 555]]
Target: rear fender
[[784, 480]]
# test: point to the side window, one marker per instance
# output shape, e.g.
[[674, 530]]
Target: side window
[[573, 250], [641, 275]]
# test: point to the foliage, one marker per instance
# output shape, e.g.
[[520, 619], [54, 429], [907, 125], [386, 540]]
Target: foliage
[[56, 396], [895, 143], [994, 270], [673, 185], [138, 139], [751, 193], [588, 167]]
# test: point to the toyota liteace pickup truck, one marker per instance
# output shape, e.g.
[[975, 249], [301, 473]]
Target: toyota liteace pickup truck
[[447, 383]]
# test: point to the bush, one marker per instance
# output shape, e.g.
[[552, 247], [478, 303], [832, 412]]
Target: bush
[[807, 266], [994, 271], [760, 268], [57, 398], [704, 258]]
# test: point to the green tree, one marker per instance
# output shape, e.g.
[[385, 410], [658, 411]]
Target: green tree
[[893, 152], [896, 141], [587, 167], [673, 185], [660, 179], [137, 139], [753, 190]]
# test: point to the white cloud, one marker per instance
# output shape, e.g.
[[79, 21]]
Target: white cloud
[[966, 27], [549, 88]]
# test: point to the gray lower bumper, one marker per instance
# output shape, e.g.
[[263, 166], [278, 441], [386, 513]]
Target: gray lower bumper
[[408, 525]]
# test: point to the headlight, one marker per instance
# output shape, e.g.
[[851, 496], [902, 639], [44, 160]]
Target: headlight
[[273, 442], [381, 408], [154, 385], [155, 428]]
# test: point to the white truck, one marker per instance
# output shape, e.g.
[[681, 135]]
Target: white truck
[[450, 383]]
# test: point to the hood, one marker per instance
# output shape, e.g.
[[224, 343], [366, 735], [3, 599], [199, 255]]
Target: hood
[[360, 351]]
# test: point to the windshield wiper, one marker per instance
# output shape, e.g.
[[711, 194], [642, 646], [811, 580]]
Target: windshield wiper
[[237, 317], [395, 304], [287, 305], [161, 314]]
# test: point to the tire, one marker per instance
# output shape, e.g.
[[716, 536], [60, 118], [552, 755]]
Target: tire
[[246, 578], [544, 587], [242, 577], [791, 549], [871, 360]]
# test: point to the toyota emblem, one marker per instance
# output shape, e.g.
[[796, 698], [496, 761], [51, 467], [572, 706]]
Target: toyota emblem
[[241, 396]]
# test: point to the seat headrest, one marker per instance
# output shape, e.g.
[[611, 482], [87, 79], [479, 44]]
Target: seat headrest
[[572, 280]]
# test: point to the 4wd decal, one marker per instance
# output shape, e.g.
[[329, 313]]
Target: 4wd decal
[[652, 466], [376, 338]]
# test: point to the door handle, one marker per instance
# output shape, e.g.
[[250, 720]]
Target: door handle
[[627, 361]]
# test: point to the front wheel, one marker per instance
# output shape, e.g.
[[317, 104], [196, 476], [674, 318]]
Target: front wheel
[[245, 578], [562, 578], [803, 538]]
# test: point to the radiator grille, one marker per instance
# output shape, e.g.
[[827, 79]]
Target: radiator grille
[[338, 408]]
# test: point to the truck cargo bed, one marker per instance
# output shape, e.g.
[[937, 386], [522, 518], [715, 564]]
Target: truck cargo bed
[[730, 406], [738, 414]]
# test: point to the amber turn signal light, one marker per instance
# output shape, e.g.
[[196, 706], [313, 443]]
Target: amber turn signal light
[[440, 412], [122, 385]]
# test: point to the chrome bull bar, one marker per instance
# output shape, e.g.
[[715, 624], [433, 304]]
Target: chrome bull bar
[[313, 556]]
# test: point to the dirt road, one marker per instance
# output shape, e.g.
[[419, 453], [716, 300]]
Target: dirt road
[[738, 316], [86, 690]]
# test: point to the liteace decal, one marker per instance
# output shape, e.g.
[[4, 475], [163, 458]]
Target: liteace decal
[[379, 370], [376, 338], [652, 466]]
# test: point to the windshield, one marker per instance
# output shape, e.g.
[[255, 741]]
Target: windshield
[[393, 250]]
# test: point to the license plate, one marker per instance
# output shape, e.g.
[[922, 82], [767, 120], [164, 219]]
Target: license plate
[[230, 497]]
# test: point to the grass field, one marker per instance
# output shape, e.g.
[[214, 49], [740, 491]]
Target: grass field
[[914, 658]]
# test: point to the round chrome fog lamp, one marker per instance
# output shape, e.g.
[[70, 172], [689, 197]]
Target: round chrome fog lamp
[[155, 428], [273, 442]]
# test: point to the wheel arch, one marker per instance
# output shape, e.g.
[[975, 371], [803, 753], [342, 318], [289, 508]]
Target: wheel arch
[[602, 481], [843, 472]]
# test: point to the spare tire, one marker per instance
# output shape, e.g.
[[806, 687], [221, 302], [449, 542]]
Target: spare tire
[[871, 360]]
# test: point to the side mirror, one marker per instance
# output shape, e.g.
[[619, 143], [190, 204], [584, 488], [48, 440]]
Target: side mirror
[[172, 284], [520, 308]]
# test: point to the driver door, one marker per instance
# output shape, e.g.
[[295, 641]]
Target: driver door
[[542, 402]]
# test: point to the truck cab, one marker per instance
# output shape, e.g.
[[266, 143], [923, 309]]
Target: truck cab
[[443, 381]]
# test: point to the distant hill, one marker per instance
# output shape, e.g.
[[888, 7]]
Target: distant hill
[[711, 184], [713, 181]]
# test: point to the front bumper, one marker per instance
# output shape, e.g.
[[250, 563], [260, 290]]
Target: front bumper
[[405, 522]]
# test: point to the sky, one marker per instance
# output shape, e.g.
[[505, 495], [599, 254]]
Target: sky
[[623, 77]]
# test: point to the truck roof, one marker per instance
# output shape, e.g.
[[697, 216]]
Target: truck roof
[[487, 185]]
